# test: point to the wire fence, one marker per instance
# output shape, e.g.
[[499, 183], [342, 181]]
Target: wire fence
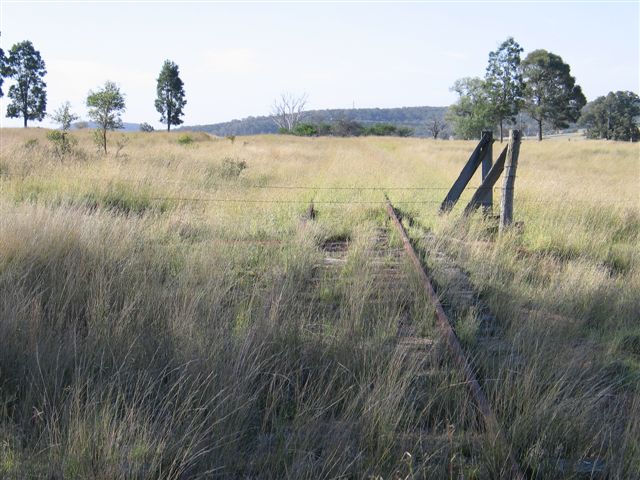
[[309, 188], [238, 184]]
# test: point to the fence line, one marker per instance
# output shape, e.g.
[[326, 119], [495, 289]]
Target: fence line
[[252, 186], [353, 202], [294, 202]]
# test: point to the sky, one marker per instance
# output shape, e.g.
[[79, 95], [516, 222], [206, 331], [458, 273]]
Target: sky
[[235, 58]]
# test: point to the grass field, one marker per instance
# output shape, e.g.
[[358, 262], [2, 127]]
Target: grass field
[[162, 313]]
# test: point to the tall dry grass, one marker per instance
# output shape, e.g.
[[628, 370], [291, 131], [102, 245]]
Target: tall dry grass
[[146, 334]]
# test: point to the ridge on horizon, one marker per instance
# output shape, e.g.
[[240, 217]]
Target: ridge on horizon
[[414, 117]]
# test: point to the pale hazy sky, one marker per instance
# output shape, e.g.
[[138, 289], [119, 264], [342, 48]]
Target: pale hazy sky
[[235, 58]]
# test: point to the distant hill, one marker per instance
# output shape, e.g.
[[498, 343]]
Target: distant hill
[[416, 118], [413, 117]]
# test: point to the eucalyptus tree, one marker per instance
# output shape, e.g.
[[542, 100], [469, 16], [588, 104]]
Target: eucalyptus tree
[[613, 117], [105, 107], [2, 70], [62, 140], [170, 95], [28, 94], [550, 94], [288, 111], [503, 82], [474, 111]]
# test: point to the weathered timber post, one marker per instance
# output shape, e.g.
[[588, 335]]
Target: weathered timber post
[[310, 214], [465, 175], [488, 183], [510, 166], [487, 161]]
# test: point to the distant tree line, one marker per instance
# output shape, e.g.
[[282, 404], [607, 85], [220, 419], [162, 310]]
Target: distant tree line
[[541, 88], [612, 117], [28, 95], [538, 90], [348, 128], [540, 85], [418, 119]]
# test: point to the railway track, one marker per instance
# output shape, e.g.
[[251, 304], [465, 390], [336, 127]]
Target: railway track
[[450, 413], [455, 348]]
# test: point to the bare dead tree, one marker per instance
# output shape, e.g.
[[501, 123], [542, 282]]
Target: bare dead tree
[[436, 126], [288, 109]]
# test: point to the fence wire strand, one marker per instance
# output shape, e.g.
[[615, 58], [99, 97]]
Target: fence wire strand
[[239, 185]]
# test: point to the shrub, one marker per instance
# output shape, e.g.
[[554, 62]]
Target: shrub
[[145, 127], [99, 140], [347, 128], [305, 130], [381, 129], [31, 144], [185, 139], [63, 143], [231, 138], [120, 144], [232, 168], [324, 129], [388, 130], [404, 131]]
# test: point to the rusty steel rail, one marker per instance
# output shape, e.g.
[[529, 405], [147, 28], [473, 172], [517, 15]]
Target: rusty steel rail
[[491, 422]]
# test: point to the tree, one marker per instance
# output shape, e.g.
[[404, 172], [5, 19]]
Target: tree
[[28, 94], [105, 106], [61, 139], [503, 81], [473, 112], [145, 127], [347, 128], [387, 130], [550, 93], [170, 95], [305, 130], [435, 126], [612, 117], [288, 110], [64, 117], [2, 70]]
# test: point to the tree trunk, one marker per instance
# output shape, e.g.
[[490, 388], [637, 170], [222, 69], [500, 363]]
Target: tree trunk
[[539, 130], [168, 117], [104, 140], [501, 136], [25, 106]]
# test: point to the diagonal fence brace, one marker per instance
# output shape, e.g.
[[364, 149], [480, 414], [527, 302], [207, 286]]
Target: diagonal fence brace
[[481, 151], [487, 184]]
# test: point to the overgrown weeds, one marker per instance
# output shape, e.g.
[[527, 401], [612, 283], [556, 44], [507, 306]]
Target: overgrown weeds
[[153, 329]]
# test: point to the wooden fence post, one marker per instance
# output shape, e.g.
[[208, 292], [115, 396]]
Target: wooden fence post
[[487, 184], [465, 175], [487, 161], [510, 166]]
